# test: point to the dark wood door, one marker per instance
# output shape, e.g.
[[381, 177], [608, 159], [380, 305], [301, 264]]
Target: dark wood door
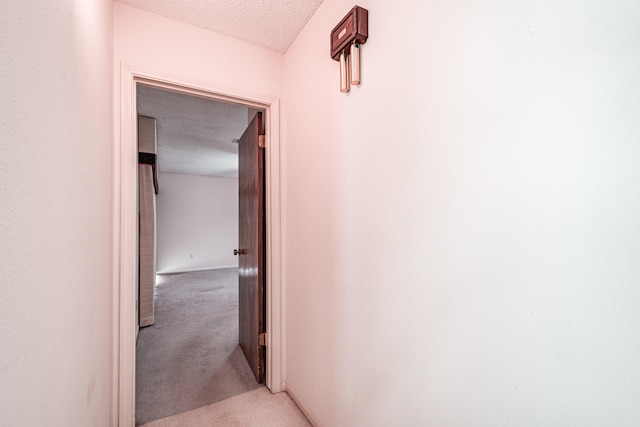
[[251, 242]]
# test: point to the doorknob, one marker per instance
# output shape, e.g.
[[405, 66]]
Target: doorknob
[[239, 251]]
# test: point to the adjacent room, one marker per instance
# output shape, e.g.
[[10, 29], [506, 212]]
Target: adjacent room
[[188, 355]]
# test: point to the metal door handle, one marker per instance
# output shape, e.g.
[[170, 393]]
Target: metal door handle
[[239, 251]]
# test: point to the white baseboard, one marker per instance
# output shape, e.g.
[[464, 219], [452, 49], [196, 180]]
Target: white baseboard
[[190, 270], [304, 408]]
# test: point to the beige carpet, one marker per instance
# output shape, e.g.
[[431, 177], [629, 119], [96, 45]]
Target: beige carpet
[[257, 408]]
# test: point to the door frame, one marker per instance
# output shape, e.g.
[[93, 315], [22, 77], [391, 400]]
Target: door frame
[[125, 234]]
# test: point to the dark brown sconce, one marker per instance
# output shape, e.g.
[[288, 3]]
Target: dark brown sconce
[[346, 39]]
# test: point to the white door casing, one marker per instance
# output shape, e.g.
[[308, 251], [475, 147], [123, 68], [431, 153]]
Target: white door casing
[[125, 236]]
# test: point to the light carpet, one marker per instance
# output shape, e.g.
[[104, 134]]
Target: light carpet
[[257, 408], [190, 357]]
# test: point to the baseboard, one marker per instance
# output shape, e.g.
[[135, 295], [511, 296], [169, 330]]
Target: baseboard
[[190, 270], [304, 408]]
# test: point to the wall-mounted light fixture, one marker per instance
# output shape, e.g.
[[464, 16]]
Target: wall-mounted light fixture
[[346, 39]]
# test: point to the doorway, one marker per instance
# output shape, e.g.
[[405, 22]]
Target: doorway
[[125, 243], [188, 353]]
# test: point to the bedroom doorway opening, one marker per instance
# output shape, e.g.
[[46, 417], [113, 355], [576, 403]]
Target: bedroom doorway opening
[[126, 296], [188, 352]]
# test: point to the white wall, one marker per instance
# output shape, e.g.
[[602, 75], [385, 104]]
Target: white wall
[[197, 222], [463, 229], [55, 220], [161, 44]]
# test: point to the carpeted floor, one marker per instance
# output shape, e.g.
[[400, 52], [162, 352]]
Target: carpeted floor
[[190, 357], [257, 408]]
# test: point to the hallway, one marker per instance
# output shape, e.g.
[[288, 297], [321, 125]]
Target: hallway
[[455, 241], [257, 408]]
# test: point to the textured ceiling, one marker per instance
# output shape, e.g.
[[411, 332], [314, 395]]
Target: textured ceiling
[[194, 134], [273, 24]]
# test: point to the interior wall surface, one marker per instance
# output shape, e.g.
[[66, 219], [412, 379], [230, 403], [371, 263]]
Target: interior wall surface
[[463, 228], [197, 222], [56, 216], [165, 45]]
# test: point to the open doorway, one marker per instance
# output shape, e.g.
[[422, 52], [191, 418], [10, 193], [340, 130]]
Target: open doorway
[[124, 365], [188, 353]]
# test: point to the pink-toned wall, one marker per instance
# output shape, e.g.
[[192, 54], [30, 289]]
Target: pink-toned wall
[[462, 230], [191, 53], [56, 215]]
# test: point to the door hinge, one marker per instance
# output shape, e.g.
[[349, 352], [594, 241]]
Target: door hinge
[[262, 340], [262, 142]]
